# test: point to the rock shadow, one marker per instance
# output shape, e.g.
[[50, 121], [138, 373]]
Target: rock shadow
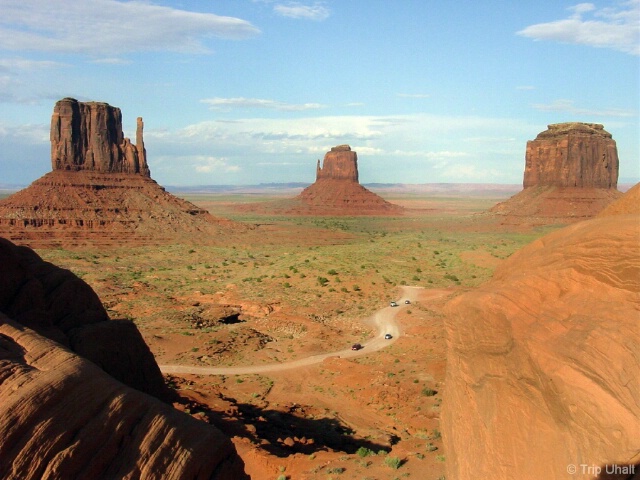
[[287, 430]]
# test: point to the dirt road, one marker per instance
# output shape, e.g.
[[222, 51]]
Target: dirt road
[[384, 321]]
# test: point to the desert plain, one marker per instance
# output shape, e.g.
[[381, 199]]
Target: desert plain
[[285, 288]]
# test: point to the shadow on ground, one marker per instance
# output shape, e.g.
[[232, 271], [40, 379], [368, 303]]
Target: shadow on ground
[[282, 432]]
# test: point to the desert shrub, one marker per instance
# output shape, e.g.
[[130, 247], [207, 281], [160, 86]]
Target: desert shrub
[[430, 447], [356, 288], [332, 272], [428, 392], [323, 281], [393, 462], [336, 470], [365, 452]]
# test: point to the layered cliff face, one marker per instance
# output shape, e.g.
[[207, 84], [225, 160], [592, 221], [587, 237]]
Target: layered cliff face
[[340, 163], [88, 136], [100, 191], [336, 190], [543, 359], [572, 155], [571, 174], [71, 389]]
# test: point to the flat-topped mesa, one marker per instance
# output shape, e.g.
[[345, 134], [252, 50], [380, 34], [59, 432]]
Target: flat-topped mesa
[[88, 136], [340, 163], [572, 154]]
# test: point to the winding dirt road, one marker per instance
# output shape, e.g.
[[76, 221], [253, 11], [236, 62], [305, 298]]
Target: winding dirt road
[[384, 321]]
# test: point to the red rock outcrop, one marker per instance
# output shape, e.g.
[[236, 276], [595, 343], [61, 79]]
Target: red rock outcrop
[[336, 190], [571, 173], [542, 366], [340, 163], [572, 155], [100, 191], [58, 305], [63, 417], [88, 136]]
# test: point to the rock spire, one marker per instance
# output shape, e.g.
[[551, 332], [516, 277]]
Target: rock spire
[[88, 136]]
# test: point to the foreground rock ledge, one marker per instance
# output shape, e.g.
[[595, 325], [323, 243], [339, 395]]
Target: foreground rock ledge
[[63, 417], [543, 361]]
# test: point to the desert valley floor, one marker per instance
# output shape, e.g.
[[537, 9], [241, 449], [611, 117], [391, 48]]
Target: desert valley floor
[[290, 287]]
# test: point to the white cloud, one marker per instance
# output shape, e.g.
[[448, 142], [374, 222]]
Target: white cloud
[[416, 148], [567, 106], [317, 11], [101, 27], [241, 102], [614, 28]]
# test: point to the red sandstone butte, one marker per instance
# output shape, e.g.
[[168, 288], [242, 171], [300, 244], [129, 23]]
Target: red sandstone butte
[[571, 174], [337, 191], [100, 191], [88, 136], [572, 155]]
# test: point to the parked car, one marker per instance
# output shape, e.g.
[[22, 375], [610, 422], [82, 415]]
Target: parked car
[[394, 304], [356, 346], [388, 336], [407, 302]]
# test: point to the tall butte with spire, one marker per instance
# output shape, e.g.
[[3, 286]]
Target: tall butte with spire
[[100, 189], [337, 190], [570, 174]]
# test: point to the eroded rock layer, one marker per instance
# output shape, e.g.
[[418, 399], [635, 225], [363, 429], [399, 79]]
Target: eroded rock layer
[[63, 417], [572, 155], [340, 163], [543, 359], [76, 208], [100, 192], [571, 174], [88, 136]]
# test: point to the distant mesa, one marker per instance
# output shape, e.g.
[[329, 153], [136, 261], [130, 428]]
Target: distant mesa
[[337, 191], [100, 191], [571, 173]]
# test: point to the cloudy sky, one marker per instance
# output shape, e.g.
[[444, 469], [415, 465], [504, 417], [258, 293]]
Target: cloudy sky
[[254, 91]]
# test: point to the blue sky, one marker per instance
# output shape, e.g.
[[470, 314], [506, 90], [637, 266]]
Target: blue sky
[[254, 91]]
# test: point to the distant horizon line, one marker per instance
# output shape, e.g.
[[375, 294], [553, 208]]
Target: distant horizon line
[[626, 182]]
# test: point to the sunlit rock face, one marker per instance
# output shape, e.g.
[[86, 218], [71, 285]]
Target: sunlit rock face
[[100, 191], [88, 136], [542, 360], [570, 174], [572, 155], [340, 163]]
